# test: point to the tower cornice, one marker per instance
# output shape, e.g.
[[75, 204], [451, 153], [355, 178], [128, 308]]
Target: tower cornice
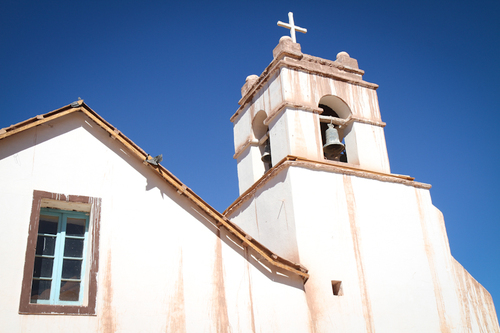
[[328, 166], [289, 55]]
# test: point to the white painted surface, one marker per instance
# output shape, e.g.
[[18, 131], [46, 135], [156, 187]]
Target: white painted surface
[[296, 130], [291, 25], [385, 241], [162, 265]]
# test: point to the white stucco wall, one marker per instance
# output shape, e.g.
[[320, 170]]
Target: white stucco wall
[[289, 93], [163, 266], [385, 241]]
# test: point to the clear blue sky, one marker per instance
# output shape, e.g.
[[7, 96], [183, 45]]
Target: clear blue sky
[[168, 75]]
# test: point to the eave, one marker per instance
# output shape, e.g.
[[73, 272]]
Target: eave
[[218, 219], [325, 165]]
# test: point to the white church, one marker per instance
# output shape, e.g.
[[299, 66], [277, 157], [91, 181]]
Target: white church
[[97, 236]]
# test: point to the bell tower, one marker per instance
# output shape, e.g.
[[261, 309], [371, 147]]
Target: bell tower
[[292, 105], [316, 189]]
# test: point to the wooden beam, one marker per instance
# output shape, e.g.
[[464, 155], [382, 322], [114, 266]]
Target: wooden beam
[[35, 123], [181, 188], [166, 175]]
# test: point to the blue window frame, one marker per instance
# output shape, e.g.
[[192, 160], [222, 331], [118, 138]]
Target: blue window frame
[[60, 257]]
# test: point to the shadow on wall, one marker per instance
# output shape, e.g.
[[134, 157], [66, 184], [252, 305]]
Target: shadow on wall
[[272, 272], [40, 134]]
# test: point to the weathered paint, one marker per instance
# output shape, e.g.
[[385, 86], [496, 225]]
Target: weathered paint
[[167, 265], [430, 253], [164, 264], [353, 222], [356, 240], [289, 91], [384, 240], [176, 315], [107, 322]]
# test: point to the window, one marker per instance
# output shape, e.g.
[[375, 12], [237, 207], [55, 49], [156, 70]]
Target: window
[[337, 288], [261, 134], [60, 273], [59, 257]]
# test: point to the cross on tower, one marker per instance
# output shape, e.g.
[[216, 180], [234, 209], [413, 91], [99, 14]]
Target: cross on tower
[[291, 25]]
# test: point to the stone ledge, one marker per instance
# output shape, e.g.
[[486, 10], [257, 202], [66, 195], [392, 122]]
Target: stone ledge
[[286, 47], [329, 166]]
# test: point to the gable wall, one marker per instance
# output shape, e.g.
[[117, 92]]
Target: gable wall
[[162, 264]]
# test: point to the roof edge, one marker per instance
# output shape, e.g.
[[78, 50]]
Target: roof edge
[[219, 219], [326, 165]]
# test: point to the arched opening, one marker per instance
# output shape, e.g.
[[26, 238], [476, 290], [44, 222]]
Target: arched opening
[[332, 131], [261, 134], [258, 127]]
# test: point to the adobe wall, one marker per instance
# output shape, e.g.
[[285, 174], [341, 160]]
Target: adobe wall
[[163, 265], [384, 240], [289, 91]]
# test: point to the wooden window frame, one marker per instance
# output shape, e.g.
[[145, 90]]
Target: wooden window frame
[[90, 289], [58, 257]]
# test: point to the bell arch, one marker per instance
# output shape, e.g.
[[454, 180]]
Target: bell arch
[[261, 136], [337, 104], [258, 127], [334, 108]]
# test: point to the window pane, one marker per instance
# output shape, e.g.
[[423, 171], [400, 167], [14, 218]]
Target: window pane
[[40, 289], [70, 291], [48, 224], [72, 269], [73, 248], [45, 245], [75, 227], [43, 267]]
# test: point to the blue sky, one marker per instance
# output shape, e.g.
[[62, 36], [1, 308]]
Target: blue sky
[[168, 75]]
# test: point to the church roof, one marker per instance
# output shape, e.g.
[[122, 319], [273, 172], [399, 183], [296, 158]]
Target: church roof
[[167, 176]]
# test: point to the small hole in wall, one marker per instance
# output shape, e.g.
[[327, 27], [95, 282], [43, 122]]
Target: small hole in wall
[[337, 288]]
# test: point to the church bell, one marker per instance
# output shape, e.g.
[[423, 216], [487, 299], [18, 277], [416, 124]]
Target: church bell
[[266, 156], [333, 147]]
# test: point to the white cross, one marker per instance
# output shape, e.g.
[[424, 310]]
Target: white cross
[[292, 27]]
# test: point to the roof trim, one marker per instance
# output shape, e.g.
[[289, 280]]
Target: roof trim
[[309, 64], [218, 218], [326, 165]]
